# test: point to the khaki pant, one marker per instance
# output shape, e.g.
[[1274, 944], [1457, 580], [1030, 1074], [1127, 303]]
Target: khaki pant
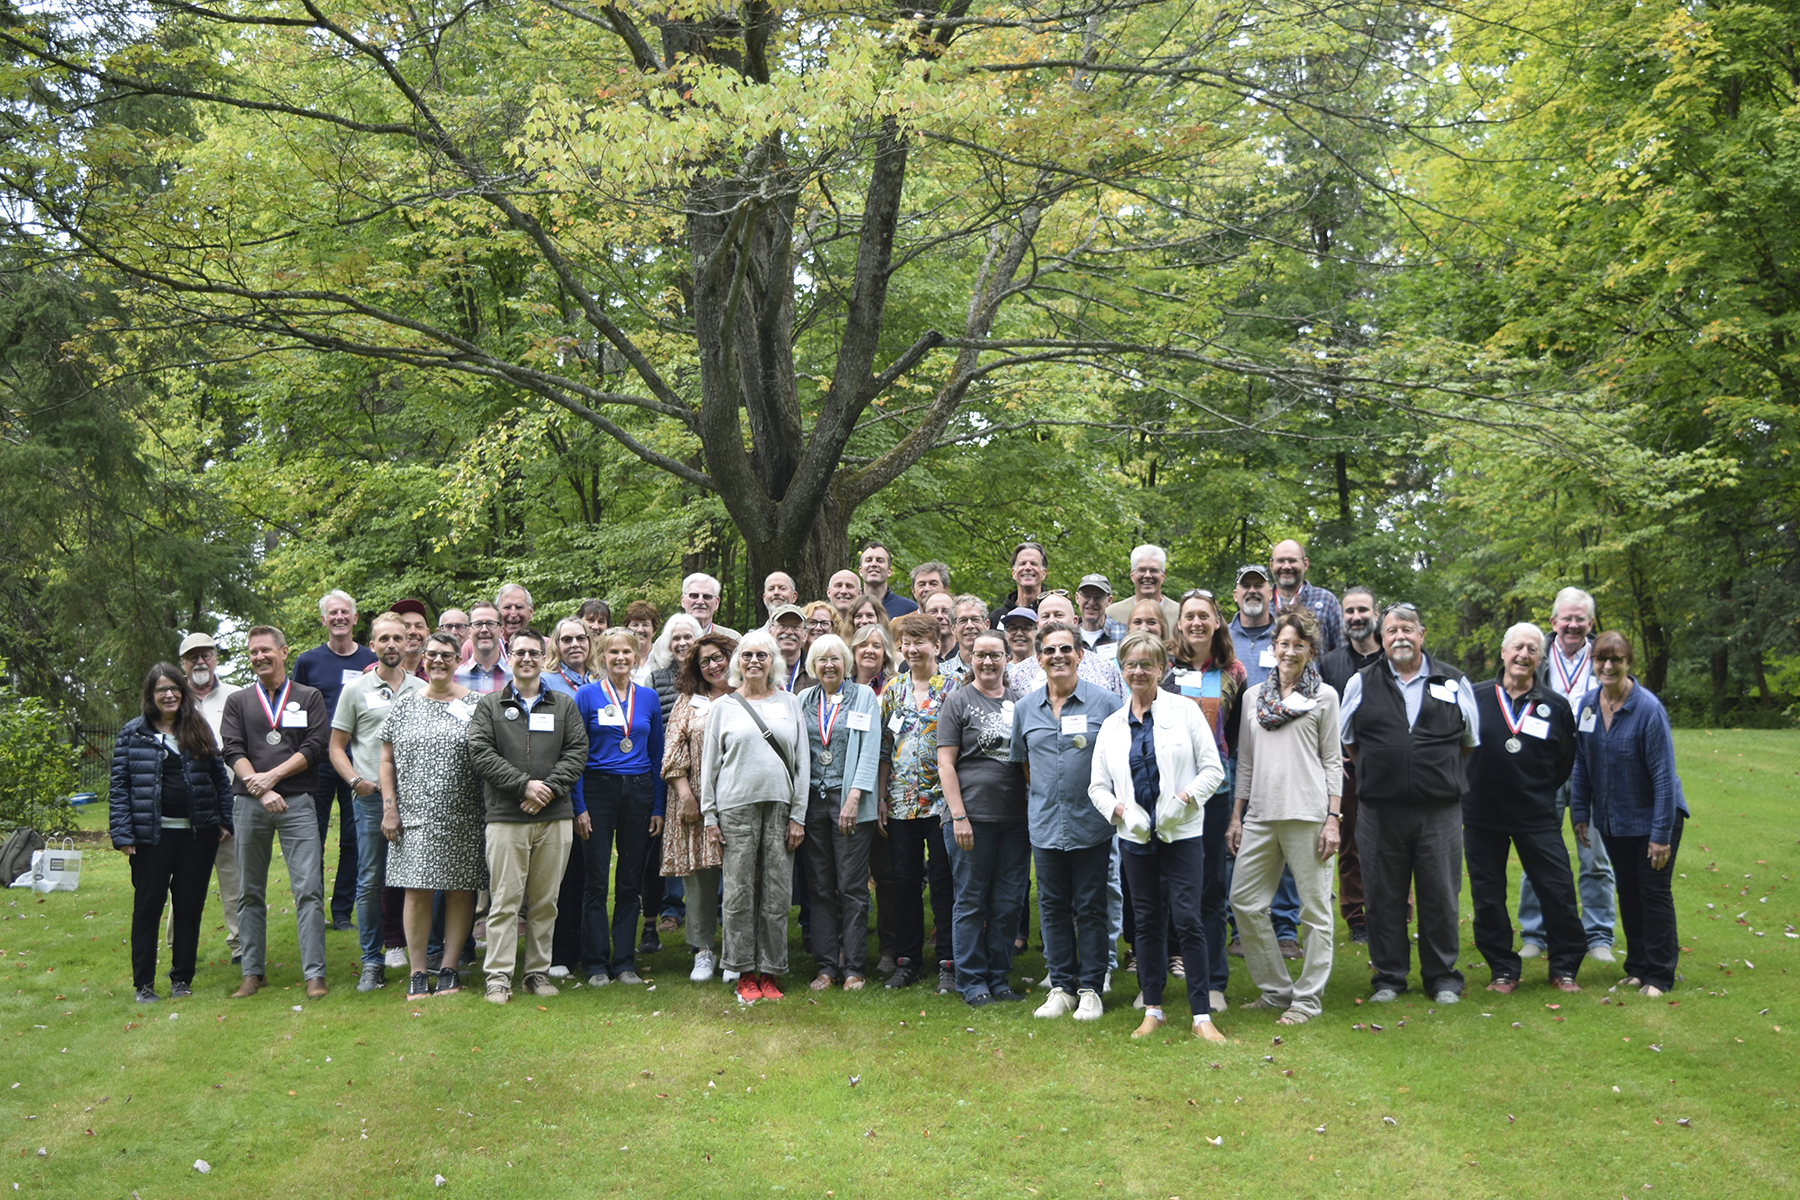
[[1266, 848], [525, 861], [226, 864], [759, 887]]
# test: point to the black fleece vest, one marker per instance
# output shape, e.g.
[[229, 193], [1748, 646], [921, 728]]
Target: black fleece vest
[[1417, 766]]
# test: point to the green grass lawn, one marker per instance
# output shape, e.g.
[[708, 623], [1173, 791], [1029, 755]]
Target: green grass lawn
[[675, 1091]]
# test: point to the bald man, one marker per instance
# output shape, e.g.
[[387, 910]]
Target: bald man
[[1288, 565]]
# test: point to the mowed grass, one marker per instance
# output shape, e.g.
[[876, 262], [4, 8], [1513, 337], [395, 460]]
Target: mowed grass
[[675, 1091]]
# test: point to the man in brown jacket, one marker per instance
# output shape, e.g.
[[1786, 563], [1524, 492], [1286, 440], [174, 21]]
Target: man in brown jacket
[[529, 746]]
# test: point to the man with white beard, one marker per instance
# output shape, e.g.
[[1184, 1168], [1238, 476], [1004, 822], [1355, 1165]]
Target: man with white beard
[[1253, 629], [200, 659]]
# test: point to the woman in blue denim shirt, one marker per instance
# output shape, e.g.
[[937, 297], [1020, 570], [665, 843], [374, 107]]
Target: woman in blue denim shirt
[[1625, 787]]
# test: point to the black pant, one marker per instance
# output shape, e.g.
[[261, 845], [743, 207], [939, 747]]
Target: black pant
[[650, 890], [1403, 845], [619, 806], [1546, 863], [1647, 907], [343, 891], [565, 938], [908, 841], [178, 866], [1072, 914], [1170, 879]]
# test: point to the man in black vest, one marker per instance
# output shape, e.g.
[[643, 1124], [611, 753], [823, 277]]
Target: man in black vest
[[1409, 721]]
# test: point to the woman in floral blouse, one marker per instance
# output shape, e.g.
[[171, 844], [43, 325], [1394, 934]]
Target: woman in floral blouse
[[912, 801], [685, 853]]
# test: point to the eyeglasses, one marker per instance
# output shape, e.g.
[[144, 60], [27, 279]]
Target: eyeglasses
[[527, 655], [569, 638], [1608, 658], [1146, 570], [438, 656], [701, 596], [1200, 593], [1141, 665], [454, 625], [754, 655], [1057, 592], [713, 660], [823, 626], [486, 624], [971, 619], [168, 691], [1057, 651], [988, 656], [1401, 606]]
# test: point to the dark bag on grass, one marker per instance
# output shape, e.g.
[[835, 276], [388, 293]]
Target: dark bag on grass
[[15, 855]]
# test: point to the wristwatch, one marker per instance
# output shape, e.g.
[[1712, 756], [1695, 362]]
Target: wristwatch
[[1338, 815]]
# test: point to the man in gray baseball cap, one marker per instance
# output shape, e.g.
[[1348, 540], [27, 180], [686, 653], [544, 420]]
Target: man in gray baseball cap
[[1092, 596]]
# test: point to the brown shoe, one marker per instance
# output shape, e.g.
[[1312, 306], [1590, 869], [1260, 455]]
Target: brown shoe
[[1565, 983], [316, 989], [1505, 987], [252, 984], [1207, 1031], [1151, 1024]]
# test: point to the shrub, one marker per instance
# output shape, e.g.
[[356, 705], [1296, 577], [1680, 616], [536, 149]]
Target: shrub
[[37, 766]]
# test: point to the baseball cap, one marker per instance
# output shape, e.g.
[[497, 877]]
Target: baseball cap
[[1098, 582], [410, 606], [195, 641], [1024, 614], [1252, 569], [783, 610]]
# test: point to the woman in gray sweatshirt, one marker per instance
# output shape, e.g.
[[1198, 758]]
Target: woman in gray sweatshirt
[[755, 773]]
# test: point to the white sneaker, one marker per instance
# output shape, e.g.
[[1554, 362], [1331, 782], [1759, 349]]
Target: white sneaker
[[1090, 1008], [1138, 1003], [1602, 953], [396, 959], [1059, 1004], [730, 976], [559, 972], [1106, 986], [704, 965], [1531, 950], [1447, 997], [1215, 1000]]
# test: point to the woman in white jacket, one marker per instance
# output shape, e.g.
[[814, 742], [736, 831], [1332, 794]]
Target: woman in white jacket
[[1155, 764], [1290, 786]]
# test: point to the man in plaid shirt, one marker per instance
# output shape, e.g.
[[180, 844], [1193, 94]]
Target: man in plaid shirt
[[1287, 567]]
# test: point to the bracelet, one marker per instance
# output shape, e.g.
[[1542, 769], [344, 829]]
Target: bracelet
[[954, 818]]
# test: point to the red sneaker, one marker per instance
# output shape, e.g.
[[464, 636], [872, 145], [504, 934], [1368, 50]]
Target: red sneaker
[[769, 990], [749, 990]]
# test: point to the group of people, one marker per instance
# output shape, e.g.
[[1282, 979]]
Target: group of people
[[1167, 775]]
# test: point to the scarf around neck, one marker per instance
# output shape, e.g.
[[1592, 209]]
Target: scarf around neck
[[1272, 712]]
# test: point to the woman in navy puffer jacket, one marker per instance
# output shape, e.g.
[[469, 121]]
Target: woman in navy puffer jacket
[[170, 806]]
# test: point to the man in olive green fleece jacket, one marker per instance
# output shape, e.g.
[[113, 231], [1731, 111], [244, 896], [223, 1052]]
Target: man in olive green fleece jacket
[[529, 745]]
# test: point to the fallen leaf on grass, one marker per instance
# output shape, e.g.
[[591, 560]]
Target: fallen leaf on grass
[[1218, 1141]]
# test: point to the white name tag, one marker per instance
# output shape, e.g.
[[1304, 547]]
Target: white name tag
[[1075, 724], [1006, 711], [293, 720], [349, 676], [1298, 703], [616, 721], [462, 709], [1445, 692], [894, 725], [376, 700], [860, 721], [1535, 727], [1266, 659], [1587, 721], [543, 722]]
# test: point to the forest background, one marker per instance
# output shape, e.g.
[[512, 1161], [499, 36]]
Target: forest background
[[1478, 299]]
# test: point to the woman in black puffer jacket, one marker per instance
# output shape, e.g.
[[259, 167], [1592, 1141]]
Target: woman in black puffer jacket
[[170, 806]]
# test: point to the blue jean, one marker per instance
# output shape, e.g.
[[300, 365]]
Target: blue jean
[[1284, 911], [1072, 899], [619, 806], [349, 864], [991, 878], [1594, 884], [371, 869]]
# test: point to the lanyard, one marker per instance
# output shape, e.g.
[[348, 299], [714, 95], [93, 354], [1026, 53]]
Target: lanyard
[[1507, 711], [630, 712], [574, 684], [1569, 675], [836, 707], [280, 705], [794, 674]]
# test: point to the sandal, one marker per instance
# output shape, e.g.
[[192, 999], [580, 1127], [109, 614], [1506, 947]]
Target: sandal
[[822, 982], [1262, 1002], [854, 983], [1293, 1016], [1650, 990], [1631, 981]]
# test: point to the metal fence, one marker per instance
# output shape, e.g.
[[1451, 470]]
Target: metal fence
[[94, 749]]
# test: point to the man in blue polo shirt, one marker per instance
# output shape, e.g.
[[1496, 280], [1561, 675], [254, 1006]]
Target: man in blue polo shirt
[[328, 668]]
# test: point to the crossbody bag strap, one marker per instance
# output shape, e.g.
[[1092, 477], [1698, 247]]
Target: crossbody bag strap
[[768, 737]]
